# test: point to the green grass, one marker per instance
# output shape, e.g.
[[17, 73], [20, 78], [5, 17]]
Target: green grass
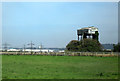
[[59, 67], [0, 67]]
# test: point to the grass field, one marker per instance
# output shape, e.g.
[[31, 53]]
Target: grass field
[[59, 67]]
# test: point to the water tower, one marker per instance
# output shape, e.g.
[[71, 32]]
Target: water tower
[[88, 32]]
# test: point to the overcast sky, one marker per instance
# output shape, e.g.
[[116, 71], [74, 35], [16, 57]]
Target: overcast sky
[[55, 24]]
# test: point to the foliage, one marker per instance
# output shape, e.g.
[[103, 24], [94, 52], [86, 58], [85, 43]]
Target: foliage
[[85, 45], [116, 47], [96, 36]]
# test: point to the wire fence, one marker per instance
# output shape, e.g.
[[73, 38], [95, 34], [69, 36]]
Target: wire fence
[[64, 53]]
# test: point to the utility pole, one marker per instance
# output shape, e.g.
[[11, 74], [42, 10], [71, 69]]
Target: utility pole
[[31, 46], [24, 49], [5, 46], [40, 47]]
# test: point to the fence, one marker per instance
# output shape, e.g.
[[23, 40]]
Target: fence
[[64, 53]]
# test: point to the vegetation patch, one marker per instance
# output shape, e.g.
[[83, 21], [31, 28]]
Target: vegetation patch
[[59, 67], [85, 45]]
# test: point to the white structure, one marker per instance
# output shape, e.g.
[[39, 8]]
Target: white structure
[[13, 50], [33, 50], [38, 50], [87, 31], [62, 51], [92, 30]]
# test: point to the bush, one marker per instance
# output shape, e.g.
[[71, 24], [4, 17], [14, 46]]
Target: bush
[[85, 45], [116, 47]]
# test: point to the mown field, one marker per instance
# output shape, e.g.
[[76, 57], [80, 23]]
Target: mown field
[[59, 67]]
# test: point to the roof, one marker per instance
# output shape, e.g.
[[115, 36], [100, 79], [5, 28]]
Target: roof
[[92, 27]]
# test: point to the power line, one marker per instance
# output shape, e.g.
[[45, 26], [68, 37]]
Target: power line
[[5, 46], [40, 47], [24, 48], [31, 46]]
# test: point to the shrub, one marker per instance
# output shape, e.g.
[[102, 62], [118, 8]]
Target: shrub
[[116, 47], [85, 45]]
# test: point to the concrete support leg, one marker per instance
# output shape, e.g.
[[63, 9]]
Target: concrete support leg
[[81, 37]]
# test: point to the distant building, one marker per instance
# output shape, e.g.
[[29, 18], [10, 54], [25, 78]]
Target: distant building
[[88, 32], [13, 50], [29, 50]]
